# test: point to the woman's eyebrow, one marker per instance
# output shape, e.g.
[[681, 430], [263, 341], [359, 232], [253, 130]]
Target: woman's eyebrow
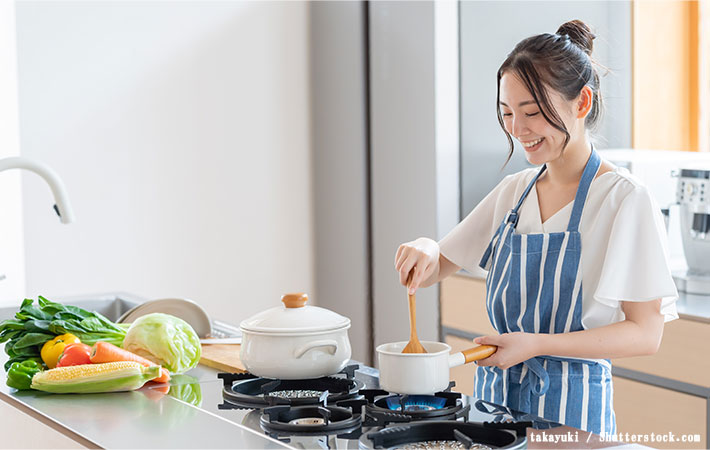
[[526, 102]]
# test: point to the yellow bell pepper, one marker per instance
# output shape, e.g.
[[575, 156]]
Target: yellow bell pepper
[[51, 350]]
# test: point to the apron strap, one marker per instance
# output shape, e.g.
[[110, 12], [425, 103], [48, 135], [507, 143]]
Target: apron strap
[[512, 216], [536, 381], [590, 171]]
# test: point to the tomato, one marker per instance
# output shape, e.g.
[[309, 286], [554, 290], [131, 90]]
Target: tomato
[[74, 355]]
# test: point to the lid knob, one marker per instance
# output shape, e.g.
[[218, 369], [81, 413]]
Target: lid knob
[[295, 300]]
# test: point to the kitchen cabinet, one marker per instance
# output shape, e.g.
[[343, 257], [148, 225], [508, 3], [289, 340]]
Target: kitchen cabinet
[[668, 391], [20, 430], [644, 409]]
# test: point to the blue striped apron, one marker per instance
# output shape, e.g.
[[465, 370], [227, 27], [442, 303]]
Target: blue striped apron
[[534, 285]]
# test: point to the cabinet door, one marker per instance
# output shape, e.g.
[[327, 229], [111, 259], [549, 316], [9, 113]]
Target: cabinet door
[[463, 305], [19, 430], [682, 355], [462, 375], [644, 409]]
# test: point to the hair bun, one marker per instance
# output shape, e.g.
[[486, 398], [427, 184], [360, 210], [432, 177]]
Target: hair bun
[[579, 33]]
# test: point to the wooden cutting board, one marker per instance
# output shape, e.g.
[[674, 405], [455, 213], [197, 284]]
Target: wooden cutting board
[[224, 357]]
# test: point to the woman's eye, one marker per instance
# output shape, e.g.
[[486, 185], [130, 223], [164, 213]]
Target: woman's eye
[[533, 114], [507, 114]]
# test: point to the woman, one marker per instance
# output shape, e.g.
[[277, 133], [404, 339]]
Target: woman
[[575, 251]]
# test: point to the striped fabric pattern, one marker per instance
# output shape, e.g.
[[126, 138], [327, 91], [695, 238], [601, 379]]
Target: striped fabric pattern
[[534, 285]]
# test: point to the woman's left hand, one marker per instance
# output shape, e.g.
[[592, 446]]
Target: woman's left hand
[[513, 348]]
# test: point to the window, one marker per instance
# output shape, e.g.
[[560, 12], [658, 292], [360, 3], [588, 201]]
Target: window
[[671, 75]]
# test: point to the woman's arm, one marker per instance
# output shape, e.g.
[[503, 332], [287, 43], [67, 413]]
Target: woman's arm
[[639, 334], [444, 269]]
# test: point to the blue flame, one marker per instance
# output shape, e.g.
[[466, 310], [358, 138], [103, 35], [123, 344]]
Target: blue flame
[[416, 402]]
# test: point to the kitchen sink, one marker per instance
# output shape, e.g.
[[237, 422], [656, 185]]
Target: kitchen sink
[[113, 306]]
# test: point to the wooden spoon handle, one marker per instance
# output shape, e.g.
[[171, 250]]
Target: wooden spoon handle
[[413, 318], [412, 311]]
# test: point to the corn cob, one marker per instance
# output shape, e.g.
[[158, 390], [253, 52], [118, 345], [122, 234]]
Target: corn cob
[[91, 378]]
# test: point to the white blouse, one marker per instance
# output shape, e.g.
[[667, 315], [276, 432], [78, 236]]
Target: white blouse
[[624, 242]]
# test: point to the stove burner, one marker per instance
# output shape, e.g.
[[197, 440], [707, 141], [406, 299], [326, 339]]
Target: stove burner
[[440, 445], [386, 408], [312, 419], [244, 390], [442, 434], [308, 421], [303, 393], [415, 402]]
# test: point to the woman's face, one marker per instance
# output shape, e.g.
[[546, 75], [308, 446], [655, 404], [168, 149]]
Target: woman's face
[[524, 121]]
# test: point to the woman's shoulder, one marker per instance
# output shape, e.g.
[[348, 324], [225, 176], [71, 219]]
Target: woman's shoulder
[[619, 184]]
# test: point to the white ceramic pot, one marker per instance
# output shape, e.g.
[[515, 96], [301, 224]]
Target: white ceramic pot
[[295, 341], [423, 373]]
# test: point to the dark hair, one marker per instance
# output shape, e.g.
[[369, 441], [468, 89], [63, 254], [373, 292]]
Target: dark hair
[[561, 61]]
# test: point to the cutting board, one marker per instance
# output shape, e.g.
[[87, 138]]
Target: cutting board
[[224, 357]]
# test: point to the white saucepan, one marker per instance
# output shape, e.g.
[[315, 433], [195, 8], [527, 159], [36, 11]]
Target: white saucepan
[[423, 373]]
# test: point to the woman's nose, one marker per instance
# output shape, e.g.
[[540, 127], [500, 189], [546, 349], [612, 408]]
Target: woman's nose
[[519, 126]]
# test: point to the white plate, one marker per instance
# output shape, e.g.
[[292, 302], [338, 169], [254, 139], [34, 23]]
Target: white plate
[[187, 310]]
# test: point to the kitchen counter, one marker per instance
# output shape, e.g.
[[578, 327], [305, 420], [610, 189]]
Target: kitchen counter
[[185, 415], [189, 417]]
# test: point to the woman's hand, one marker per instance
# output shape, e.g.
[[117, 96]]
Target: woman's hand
[[513, 348], [420, 258]]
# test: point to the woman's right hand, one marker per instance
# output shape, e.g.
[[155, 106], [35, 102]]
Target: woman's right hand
[[419, 257]]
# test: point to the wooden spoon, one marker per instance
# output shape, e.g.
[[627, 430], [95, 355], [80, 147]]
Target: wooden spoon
[[413, 346]]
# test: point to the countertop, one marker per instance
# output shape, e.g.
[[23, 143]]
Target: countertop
[[186, 414], [146, 418]]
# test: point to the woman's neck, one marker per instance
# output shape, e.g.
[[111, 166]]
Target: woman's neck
[[568, 168]]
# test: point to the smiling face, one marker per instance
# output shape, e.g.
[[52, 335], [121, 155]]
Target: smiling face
[[524, 121]]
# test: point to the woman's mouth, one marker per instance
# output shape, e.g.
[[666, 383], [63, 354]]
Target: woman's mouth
[[532, 146]]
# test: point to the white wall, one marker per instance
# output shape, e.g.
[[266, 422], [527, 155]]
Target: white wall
[[181, 130], [12, 264]]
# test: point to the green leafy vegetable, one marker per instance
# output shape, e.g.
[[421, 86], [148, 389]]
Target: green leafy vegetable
[[35, 325], [166, 340]]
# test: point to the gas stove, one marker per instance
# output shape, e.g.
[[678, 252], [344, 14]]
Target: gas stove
[[347, 410]]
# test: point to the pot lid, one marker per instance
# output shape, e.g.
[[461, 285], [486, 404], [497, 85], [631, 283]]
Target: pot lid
[[294, 316]]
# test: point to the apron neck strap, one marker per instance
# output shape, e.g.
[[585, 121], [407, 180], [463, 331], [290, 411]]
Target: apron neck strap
[[512, 217], [590, 171]]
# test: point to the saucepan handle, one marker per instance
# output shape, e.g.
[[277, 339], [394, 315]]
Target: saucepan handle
[[471, 354], [330, 345]]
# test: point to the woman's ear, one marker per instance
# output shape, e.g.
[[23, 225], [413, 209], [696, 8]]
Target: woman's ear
[[584, 102]]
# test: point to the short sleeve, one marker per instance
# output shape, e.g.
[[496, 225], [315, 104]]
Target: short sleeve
[[465, 244], [636, 265]]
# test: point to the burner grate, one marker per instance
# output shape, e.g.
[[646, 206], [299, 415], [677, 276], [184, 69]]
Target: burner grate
[[312, 419], [385, 407], [435, 434], [248, 391]]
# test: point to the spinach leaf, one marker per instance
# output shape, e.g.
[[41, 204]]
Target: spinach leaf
[[32, 340]]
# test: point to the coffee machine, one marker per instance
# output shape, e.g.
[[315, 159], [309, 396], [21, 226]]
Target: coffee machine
[[693, 198]]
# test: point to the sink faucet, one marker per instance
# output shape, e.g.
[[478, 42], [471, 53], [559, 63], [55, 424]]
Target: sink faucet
[[61, 200]]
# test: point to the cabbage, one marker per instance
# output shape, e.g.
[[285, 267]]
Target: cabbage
[[166, 340]]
